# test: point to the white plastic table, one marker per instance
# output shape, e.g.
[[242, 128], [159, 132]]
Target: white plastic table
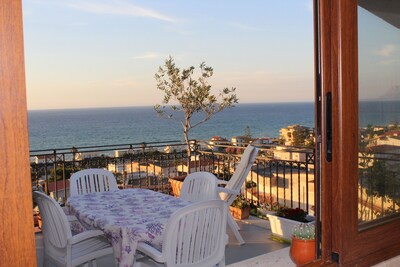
[[126, 217]]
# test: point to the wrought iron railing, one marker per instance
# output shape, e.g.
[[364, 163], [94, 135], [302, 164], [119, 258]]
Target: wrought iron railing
[[378, 186], [273, 181]]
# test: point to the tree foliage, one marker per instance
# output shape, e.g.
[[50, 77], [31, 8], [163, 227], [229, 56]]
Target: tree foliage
[[247, 136], [379, 173], [381, 179], [299, 136], [188, 96]]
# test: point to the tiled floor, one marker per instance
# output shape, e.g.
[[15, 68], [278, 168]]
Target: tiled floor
[[256, 234]]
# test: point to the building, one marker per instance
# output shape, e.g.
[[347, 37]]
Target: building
[[284, 153], [85, 155], [391, 138], [264, 141], [120, 168], [288, 134], [241, 140], [42, 159], [217, 143], [162, 169], [121, 152], [174, 148], [196, 165]]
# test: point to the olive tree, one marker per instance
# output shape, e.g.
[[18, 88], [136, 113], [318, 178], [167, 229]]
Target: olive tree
[[187, 96]]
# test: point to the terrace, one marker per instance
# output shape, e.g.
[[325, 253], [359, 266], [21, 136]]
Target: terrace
[[343, 241], [287, 182], [281, 176]]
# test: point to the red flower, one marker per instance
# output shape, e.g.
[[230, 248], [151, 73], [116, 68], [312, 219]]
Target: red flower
[[296, 214]]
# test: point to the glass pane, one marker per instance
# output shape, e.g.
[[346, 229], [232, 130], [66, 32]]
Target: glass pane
[[379, 112]]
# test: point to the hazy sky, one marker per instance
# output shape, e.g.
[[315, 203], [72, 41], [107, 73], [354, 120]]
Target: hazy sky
[[104, 53], [378, 57]]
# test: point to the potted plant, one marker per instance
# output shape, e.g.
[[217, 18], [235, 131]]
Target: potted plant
[[285, 219], [251, 184], [302, 248], [240, 208]]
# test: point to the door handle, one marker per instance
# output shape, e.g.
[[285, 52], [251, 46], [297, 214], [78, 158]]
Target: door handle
[[328, 127]]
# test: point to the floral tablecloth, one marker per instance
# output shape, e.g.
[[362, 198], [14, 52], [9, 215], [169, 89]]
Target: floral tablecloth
[[126, 217]]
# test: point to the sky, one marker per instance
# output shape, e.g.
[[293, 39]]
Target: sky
[[105, 53], [378, 57]]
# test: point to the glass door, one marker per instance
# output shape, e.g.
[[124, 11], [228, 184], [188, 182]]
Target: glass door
[[378, 113], [359, 59]]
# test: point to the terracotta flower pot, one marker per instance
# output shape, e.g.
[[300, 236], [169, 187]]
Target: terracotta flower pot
[[240, 214], [176, 184], [302, 251]]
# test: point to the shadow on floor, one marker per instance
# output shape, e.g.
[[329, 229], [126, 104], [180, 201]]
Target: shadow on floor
[[255, 232]]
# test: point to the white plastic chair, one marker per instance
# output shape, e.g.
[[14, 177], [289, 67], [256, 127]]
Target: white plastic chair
[[91, 181], [199, 186], [60, 247], [195, 236], [233, 186]]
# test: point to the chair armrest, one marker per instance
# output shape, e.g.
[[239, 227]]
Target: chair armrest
[[227, 191], [84, 236], [150, 251]]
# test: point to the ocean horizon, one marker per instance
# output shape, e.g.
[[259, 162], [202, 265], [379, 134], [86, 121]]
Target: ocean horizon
[[63, 128]]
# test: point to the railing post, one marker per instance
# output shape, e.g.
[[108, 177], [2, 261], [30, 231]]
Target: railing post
[[298, 184], [124, 173], [284, 183], [291, 184], [270, 179], [258, 182], [307, 195], [277, 179], [74, 152], [55, 174], [64, 178], [46, 175]]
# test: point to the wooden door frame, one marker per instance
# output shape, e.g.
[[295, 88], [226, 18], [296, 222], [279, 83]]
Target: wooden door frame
[[325, 73], [338, 61], [341, 238], [17, 238]]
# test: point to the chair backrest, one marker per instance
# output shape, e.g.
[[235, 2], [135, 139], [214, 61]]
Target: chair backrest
[[195, 235], [199, 186], [55, 225], [91, 181], [242, 170]]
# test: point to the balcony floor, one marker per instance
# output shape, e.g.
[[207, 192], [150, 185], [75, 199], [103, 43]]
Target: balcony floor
[[255, 232]]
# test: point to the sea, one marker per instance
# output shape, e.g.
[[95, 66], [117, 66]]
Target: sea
[[65, 128]]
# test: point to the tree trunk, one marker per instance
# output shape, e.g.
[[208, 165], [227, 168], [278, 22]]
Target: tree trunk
[[186, 135]]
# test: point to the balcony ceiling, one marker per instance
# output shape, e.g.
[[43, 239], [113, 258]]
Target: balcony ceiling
[[388, 10]]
